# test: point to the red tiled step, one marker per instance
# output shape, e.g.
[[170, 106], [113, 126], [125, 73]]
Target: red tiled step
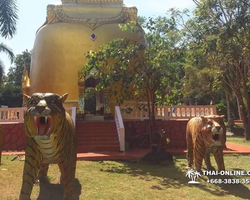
[[80, 126], [99, 148], [94, 124], [97, 137], [107, 127], [96, 132], [97, 142]]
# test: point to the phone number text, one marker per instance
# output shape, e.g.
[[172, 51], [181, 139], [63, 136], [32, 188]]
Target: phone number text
[[229, 181]]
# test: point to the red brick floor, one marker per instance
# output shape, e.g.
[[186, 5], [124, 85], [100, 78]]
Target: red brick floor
[[136, 154]]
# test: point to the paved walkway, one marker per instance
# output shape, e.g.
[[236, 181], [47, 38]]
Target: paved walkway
[[232, 148]]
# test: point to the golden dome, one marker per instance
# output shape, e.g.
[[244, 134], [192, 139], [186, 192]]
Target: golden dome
[[70, 31]]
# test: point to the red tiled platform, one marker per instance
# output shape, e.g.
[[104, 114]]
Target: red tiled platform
[[94, 156], [237, 148], [136, 154], [232, 148], [128, 155]]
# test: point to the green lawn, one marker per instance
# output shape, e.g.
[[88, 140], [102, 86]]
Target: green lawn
[[238, 136], [128, 181], [238, 140]]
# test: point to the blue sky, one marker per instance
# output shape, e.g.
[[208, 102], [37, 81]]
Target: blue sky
[[32, 15]]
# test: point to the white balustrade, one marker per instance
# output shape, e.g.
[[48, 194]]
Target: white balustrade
[[120, 127], [12, 115], [16, 115], [169, 112]]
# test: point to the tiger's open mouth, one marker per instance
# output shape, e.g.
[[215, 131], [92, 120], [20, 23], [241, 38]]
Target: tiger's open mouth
[[216, 137], [43, 125], [216, 140]]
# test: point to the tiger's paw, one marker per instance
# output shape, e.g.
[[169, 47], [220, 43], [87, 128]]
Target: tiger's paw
[[211, 168]]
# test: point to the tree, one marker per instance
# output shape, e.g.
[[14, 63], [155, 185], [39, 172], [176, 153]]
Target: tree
[[11, 90], [4, 48], [10, 95], [8, 19], [221, 29], [148, 71], [16, 72]]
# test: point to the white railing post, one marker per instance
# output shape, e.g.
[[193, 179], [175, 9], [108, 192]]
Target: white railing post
[[72, 112], [21, 114], [214, 110], [13, 115], [120, 127], [73, 115]]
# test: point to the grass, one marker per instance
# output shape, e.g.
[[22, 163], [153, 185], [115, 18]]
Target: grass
[[238, 140], [109, 180], [238, 136]]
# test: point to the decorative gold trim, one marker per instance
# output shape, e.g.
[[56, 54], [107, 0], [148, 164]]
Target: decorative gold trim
[[51, 14], [55, 13]]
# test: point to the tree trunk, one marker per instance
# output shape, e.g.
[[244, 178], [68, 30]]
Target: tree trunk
[[238, 104], [247, 131], [151, 115], [153, 119], [228, 108], [244, 115]]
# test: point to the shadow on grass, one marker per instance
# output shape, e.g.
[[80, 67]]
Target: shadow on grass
[[237, 190], [173, 175], [50, 191]]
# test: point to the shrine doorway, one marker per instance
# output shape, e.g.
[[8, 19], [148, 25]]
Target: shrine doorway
[[94, 100]]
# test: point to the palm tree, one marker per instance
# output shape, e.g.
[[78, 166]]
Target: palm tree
[[8, 18], [8, 22], [4, 48], [190, 174], [196, 175]]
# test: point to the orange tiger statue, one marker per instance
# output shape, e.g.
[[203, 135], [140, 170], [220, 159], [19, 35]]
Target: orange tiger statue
[[1, 143], [204, 135], [51, 139]]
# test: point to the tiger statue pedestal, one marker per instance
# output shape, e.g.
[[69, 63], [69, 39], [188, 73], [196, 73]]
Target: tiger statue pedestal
[[204, 135], [51, 139]]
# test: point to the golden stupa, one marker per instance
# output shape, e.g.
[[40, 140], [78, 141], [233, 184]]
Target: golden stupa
[[72, 28]]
